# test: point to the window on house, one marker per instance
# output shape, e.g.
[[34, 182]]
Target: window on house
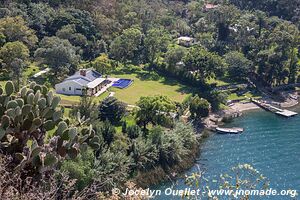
[[70, 88]]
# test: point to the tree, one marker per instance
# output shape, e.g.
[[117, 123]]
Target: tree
[[223, 16], [81, 19], [81, 168], [156, 110], [174, 55], [15, 29], [12, 51], [203, 63], [112, 167], [87, 109], [133, 131], [14, 57], [112, 109], [41, 14], [199, 107], [102, 64], [68, 32], [58, 54], [173, 144], [156, 41], [105, 130], [144, 154], [216, 98], [125, 46], [17, 69], [238, 66], [294, 65]]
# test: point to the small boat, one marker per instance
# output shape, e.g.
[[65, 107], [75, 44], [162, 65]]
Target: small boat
[[233, 130]]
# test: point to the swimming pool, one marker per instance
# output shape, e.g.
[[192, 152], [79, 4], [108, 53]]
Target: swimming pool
[[122, 83]]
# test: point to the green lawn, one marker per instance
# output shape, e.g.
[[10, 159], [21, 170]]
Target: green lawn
[[217, 82], [31, 70], [145, 86], [72, 100], [235, 96]]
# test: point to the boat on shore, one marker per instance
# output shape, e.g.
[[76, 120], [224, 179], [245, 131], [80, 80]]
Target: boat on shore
[[234, 130]]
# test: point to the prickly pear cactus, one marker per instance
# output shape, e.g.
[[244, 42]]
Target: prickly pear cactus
[[27, 117]]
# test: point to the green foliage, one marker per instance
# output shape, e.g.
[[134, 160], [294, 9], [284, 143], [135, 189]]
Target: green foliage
[[15, 29], [198, 107], [112, 110], [216, 98], [102, 64], [58, 54], [126, 45], [12, 51], [134, 131], [87, 108], [156, 42], [106, 131], [173, 145], [238, 66], [144, 154], [203, 63], [81, 168], [156, 110], [26, 118], [173, 56], [112, 167]]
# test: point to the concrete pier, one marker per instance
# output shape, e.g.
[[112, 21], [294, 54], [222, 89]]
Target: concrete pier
[[273, 109]]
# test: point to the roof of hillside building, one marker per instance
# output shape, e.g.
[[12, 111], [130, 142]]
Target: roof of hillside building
[[86, 77], [185, 38], [211, 6]]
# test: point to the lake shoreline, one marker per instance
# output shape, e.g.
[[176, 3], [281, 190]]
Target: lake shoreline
[[158, 175], [237, 109]]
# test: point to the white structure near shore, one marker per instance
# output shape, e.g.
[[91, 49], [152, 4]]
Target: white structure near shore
[[87, 80], [185, 41]]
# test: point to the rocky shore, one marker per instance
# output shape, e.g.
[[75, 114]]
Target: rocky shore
[[236, 109]]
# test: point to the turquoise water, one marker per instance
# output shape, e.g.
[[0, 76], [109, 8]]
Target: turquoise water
[[271, 144]]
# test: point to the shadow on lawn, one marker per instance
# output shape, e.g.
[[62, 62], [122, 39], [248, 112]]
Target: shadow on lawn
[[183, 89]]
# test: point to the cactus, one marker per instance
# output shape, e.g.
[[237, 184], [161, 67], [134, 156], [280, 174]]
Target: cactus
[[25, 120], [9, 88]]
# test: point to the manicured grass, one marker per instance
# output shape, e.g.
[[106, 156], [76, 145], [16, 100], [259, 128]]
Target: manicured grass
[[235, 96], [67, 100], [31, 70], [217, 82], [145, 86]]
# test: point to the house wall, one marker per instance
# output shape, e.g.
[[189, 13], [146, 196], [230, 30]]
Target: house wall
[[69, 88]]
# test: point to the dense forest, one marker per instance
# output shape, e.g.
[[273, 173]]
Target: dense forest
[[46, 153]]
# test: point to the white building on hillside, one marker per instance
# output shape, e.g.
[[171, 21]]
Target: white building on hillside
[[85, 79], [185, 41]]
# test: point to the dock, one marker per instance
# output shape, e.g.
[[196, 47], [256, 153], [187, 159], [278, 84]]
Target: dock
[[275, 110]]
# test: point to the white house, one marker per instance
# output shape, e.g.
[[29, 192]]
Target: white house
[[87, 80]]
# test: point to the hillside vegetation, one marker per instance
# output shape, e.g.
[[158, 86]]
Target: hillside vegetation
[[186, 59]]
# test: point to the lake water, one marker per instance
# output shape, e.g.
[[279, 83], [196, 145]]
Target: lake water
[[271, 144]]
